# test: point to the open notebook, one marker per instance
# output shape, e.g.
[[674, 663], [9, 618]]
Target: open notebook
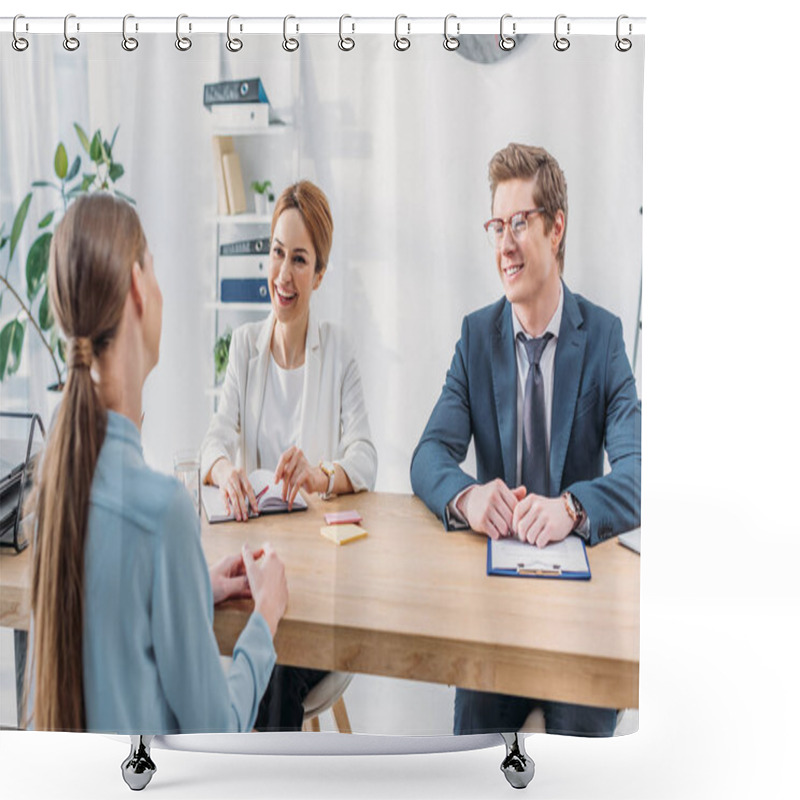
[[267, 493]]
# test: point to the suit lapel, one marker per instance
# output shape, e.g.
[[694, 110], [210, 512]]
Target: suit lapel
[[257, 368], [504, 380], [568, 368], [308, 410]]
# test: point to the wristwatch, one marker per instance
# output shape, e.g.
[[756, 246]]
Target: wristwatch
[[574, 509], [330, 470]]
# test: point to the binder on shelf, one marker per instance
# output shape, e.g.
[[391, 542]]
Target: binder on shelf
[[246, 248], [244, 290], [242, 115], [243, 267], [249, 90], [221, 146], [234, 184]]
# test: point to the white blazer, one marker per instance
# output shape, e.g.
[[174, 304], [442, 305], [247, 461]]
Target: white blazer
[[333, 418]]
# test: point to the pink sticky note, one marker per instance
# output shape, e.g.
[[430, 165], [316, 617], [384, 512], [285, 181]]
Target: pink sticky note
[[342, 517]]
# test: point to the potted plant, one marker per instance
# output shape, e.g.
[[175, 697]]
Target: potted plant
[[34, 309], [222, 349], [263, 198]]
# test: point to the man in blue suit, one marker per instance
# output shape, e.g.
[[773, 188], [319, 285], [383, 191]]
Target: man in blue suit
[[541, 383]]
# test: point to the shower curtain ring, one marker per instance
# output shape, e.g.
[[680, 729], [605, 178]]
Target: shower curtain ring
[[290, 44], [507, 42], [451, 42], [183, 43], [233, 44], [346, 43], [129, 43], [19, 43], [401, 43], [561, 43], [623, 45], [70, 42]]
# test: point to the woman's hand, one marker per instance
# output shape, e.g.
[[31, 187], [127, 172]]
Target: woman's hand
[[267, 578], [296, 473], [229, 579], [236, 490]]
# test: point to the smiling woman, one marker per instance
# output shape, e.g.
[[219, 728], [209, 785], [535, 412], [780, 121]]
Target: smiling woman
[[291, 402]]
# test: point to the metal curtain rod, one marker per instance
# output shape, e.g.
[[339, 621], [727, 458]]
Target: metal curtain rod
[[604, 26]]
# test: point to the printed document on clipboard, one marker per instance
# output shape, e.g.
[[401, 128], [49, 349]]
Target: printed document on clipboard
[[566, 559]]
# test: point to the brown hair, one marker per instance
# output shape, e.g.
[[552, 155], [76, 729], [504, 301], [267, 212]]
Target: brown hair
[[89, 276], [549, 184], [313, 206]]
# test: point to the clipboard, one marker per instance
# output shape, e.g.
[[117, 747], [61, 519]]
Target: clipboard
[[547, 562]]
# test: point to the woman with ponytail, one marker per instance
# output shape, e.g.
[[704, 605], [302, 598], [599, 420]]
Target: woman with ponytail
[[138, 655]]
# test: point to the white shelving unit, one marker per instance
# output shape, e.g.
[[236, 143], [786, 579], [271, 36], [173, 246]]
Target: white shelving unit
[[262, 140]]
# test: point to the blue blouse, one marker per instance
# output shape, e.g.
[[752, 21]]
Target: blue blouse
[[150, 658]]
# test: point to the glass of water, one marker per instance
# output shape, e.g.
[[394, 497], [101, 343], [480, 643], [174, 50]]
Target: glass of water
[[186, 467]]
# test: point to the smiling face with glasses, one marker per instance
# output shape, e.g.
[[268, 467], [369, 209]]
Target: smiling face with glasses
[[525, 248]]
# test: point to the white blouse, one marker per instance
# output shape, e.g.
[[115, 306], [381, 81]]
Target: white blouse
[[279, 426]]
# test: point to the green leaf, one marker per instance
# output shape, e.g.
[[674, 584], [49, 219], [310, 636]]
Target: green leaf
[[113, 139], [47, 220], [116, 171], [87, 181], [61, 162], [46, 318], [36, 265], [83, 137], [62, 350], [19, 221], [73, 170], [47, 183], [11, 339], [96, 148], [3, 240], [118, 193]]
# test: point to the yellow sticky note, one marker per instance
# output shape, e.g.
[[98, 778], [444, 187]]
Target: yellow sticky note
[[342, 534]]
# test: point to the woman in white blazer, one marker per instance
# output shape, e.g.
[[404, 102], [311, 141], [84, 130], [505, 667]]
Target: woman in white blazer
[[291, 401]]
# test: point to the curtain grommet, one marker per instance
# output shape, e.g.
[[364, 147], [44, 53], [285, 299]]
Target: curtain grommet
[[451, 43], [233, 44], [507, 42], [183, 43], [71, 43], [19, 43], [560, 43], [129, 43], [401, 43], [346, 43]]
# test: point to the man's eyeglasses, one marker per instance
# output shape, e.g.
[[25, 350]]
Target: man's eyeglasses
[[517, 222]]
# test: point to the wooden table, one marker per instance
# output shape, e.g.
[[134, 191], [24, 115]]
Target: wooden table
[[414, 601]]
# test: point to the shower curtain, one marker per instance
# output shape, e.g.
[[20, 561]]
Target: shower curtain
[[400, 141]]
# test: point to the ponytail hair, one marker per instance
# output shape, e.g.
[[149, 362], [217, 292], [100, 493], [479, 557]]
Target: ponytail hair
[[89, 276]]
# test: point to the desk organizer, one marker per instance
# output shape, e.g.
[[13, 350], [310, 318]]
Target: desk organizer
[[452, 344]]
